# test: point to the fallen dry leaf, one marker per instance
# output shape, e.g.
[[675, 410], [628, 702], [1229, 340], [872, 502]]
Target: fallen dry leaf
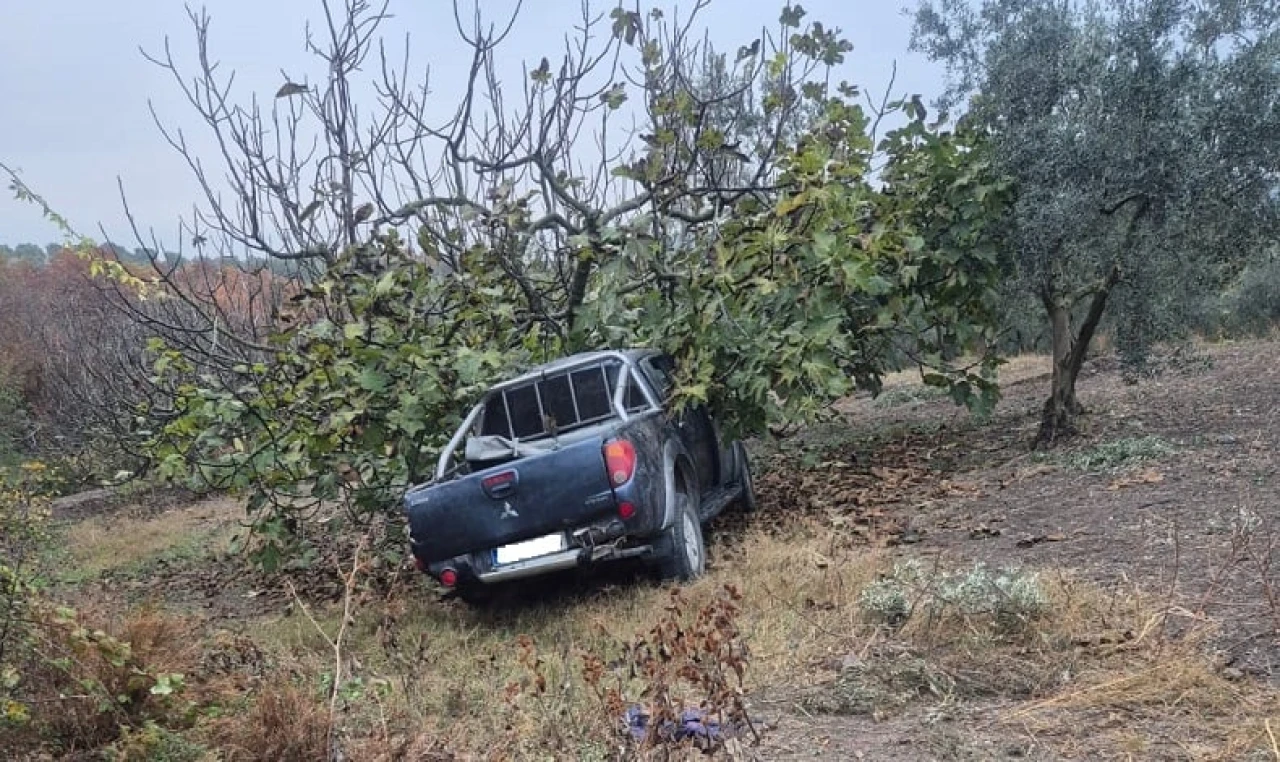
[[1022, 474], [1027, 542], [948, 488], [1145, 476]]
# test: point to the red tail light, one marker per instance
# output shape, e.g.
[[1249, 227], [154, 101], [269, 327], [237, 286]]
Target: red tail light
[[626, 511], [498, 480], [449, 578], [620, 461]]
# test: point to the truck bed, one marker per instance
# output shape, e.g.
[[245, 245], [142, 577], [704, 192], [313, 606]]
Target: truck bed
[[539, 494]]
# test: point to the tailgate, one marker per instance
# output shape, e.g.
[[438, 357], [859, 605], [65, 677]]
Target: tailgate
[[534, 496]]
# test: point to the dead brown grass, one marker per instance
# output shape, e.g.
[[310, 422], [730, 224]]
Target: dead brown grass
[[1103, 674], [1024, 368], [117, 542], [87, 676], [455, 678], [431, 681], [284, 722], [456, 674], [1154, 693]]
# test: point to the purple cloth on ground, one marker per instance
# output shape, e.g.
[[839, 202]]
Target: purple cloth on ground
[[694, 724]]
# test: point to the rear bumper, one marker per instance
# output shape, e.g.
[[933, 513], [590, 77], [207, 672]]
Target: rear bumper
[[532, 567], [569, 559], [589, 545]]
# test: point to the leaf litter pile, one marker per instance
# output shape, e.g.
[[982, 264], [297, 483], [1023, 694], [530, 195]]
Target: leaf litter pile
[[867, 490]]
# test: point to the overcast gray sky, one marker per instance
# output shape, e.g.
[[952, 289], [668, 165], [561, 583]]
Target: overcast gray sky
[[74, 87]]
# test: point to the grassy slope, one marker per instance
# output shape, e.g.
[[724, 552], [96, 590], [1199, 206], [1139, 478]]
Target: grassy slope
[[1101, 672]]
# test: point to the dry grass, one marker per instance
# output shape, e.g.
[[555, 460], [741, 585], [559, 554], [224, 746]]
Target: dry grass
[[454, 674], [285, 722], [125, 543], [1153, 693], [1100, 674], [1024, 368], [86, 678]]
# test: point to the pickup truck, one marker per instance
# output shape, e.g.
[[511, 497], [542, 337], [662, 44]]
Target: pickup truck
[[578, 462]]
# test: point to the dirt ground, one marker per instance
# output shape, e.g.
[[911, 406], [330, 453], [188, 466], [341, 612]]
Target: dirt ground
[[1172, 524], [1192, 516]]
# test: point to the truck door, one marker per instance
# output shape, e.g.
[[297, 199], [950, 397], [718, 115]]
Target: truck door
[[694, 422]]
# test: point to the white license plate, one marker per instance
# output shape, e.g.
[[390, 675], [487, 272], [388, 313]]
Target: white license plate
[[522, 551]]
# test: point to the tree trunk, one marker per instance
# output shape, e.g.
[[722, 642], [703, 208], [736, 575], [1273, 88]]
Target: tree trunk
[[1060, 410], [1058, 418]]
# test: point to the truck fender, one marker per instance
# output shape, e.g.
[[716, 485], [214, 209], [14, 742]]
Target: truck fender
[[674, 458]]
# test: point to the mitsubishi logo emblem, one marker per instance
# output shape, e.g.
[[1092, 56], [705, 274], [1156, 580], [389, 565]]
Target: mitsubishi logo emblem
[[508, 512]]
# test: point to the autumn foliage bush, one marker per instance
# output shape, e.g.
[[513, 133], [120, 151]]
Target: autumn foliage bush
[[71, 367], [67, 678], [76, 376]]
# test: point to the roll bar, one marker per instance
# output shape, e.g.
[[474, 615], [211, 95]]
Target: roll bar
[[618, 401]]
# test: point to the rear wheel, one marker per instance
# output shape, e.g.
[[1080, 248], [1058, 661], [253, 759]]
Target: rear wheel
[[682, 554]]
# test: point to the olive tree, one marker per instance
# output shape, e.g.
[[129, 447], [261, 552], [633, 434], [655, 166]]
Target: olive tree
[[1144, 140]]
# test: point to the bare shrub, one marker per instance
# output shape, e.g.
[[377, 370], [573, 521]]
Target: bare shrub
[[1007, 599]]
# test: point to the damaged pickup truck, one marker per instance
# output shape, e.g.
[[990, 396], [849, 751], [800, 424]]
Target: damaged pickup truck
[[575, 463]]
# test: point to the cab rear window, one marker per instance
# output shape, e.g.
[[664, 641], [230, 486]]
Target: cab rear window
[[556, 404]]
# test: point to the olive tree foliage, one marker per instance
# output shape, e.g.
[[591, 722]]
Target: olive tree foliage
[[1144, 140], [639, 188]]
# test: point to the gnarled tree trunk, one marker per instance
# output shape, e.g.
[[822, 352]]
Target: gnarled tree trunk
[[1058, 418]]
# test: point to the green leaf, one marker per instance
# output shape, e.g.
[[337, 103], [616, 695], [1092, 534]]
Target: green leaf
[[167, 684], [373, 380], [614, 97], [385, 284], [542, 74], [791, 16], [777, 65]]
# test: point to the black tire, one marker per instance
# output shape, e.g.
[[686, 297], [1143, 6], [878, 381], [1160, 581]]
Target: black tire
[[475, 594], [681, 550], [746, 502]]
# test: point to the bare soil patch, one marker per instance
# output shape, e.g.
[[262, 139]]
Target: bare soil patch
[[1171, 490], [1177, 523]]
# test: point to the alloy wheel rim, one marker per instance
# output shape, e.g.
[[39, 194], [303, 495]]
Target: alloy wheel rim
[[692, 552]]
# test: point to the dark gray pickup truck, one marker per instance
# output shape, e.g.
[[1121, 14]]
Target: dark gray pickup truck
[[574, 463]]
